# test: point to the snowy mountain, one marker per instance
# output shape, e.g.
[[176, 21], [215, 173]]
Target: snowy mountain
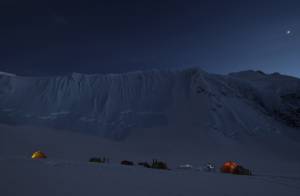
[[186, 117], [114, 105]]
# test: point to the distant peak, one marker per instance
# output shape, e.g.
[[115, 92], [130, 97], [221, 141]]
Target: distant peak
[[7, 74], [75, 74], [249, 74]]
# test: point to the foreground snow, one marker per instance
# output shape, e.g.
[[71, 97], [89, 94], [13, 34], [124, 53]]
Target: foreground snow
[[52, 177], [67, 171]]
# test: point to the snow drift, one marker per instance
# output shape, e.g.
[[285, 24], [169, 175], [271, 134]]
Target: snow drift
[[113, 105]]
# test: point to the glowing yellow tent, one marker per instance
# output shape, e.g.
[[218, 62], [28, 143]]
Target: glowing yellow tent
[[38, 155]]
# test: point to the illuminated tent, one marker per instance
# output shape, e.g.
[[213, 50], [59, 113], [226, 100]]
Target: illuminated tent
[[234, 168], [228, 167], [38, 155]]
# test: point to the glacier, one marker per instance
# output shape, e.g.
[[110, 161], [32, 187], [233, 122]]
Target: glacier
[[114, 105]]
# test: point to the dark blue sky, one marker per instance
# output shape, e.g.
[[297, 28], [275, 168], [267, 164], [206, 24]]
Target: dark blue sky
[[59, 37]]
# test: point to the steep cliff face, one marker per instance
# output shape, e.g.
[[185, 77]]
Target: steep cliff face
[[279, 95], [114, 104]]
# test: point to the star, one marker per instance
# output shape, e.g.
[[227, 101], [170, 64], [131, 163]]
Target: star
[[288, 32]]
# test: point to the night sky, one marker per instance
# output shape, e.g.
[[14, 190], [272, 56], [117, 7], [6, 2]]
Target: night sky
[[220, 36]]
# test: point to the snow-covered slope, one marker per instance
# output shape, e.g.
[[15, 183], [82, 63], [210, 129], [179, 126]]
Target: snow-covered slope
[[66, 171], [60, 178], [114, 105]]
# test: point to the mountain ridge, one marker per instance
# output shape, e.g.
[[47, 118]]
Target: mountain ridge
[[111, 105]]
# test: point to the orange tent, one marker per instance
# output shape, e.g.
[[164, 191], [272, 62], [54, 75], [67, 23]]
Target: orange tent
[[234, 168], [229, 167], [38, 155]]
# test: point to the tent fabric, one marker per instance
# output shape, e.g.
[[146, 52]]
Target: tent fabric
[[229, 167], [38, 155], [234, 168]]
